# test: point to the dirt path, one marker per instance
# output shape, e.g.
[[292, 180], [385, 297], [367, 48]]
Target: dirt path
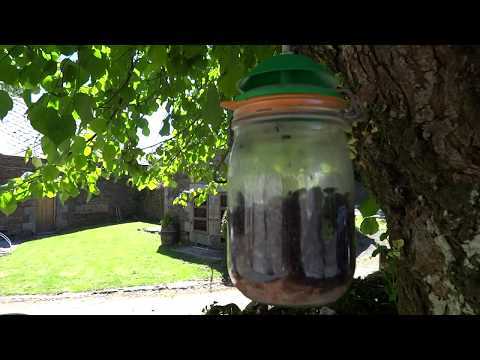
[[177, 299], [139, 302]]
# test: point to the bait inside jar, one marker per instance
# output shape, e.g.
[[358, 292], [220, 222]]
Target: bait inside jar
[[290, 190]]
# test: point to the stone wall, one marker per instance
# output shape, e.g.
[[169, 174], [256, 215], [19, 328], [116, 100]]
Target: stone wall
[[12, 166], [151, 204], [22, 222], [116, 203]]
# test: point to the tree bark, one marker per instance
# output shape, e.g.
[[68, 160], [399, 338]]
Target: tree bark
[[419, 153]]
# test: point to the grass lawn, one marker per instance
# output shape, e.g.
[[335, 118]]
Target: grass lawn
[[99, 258]]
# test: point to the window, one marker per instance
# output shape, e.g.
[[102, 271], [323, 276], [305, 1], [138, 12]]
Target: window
[[200, 212], [200, 217]]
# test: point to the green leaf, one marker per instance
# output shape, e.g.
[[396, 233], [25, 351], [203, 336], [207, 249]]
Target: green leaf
[[28, 155], [263, 52], [15, 50], [165, 131], [80, 161], [82, 76], [63, 196], [395, 253], [78, 145], [212, 113], [83, 106], [146, 131], [109, 152], [66, 106], [50, 172], [8, 204], [27, 97], [231, 68], [191, 51], [127, 94], [158, 55], [92, 188], [93, 65], [369, 226], [228, 83], [50, 149], [6, 104], [32, 73], [50, 68], [47, 122], [37, 162], [49, 84], [36, 189], [68, 70], [143, 124], [369, 207], [398, 244], [64, 147], [98, 125], [383, 236], [8, 73]]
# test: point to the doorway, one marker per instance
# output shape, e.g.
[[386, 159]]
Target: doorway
[[45, 215]]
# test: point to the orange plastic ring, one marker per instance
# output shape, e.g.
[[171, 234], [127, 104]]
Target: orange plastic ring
[[281, 103]]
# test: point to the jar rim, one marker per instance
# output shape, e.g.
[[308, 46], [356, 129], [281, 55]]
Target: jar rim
[[307, 114]]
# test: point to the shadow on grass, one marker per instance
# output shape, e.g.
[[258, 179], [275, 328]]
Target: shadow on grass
[[218, 265], [362, 243]]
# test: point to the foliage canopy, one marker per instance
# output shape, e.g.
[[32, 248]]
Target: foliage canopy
[[93, 99]]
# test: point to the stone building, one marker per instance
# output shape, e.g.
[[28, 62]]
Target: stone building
[[198, 225], [116, 203]]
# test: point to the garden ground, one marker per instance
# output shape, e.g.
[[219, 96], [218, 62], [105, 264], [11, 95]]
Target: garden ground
[[185, 298], [104, 257], [102, 260]]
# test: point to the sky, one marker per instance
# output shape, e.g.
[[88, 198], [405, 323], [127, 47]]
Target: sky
[[155, 123]]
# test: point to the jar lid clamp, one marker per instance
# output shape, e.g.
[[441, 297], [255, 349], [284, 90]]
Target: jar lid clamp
[[288, 74], [284, 82]]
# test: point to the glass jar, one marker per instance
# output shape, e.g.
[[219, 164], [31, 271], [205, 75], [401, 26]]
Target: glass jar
[[291, 191]]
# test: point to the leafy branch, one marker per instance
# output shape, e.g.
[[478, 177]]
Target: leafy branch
[[194, 78]]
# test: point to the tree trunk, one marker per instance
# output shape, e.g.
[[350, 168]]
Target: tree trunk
[[419, 154]]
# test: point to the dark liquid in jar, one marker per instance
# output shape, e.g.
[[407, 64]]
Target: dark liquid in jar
[[294, 250]]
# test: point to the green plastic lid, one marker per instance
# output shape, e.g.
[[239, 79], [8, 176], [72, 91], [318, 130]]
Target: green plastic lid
[[288, 74]]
